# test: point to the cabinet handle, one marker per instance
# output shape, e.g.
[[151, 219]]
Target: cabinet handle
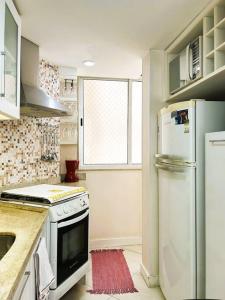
[[2, 94], [216, 141], [27, 273]]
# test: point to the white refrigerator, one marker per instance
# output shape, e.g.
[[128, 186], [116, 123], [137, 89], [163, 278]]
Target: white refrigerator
[[180, 164], [215, 215]]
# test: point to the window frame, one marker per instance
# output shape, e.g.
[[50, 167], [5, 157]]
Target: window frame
[[129, 165]]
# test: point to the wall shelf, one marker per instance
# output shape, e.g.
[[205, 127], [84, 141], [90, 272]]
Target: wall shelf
[[72, 99], [221, 47], [68, 134], [221, 24], [210, 33], [211, 24], [68, 143], [68, 97], [211, 87], [211, 54]]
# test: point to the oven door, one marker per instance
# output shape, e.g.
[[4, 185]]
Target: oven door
[[71, 251]]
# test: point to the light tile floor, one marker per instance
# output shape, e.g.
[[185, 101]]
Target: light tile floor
[[133, 258]]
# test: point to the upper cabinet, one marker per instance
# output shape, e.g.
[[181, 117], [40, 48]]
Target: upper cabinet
[[196, 59], [10, 37]]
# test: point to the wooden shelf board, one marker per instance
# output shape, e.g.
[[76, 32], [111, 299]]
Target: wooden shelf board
[[221, 47], [210, 54], [68, 143], [68, 122], [211, 87], [221, 24], [69, 99], [210, 33]]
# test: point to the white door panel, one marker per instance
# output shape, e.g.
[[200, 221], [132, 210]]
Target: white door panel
[[177, 130], [215, 216], [177, 233]]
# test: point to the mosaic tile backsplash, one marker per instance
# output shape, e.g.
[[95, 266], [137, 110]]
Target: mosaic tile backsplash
[[20, 140], [49, 78]]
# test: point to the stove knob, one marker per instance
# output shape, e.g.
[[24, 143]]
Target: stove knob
[[66, 209], [59, 212]]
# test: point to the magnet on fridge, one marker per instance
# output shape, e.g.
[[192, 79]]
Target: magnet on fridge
[[186, 127]]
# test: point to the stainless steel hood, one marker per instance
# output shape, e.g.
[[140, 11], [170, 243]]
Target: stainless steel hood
[[33, 100]]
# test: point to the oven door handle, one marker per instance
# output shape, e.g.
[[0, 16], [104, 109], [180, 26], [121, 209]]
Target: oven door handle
[[70, 222]]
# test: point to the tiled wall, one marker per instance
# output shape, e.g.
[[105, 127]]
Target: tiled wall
[[20, 141], [49, 78]]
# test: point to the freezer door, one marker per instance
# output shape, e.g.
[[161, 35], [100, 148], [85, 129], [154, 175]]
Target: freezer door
[[177, 248], [176, 131], [215, 215]]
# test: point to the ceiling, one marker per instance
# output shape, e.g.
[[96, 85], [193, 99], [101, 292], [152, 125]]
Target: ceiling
[[114, 33]]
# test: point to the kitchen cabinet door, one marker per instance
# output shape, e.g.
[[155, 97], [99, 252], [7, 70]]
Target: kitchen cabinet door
[[10, 39], [214, 215], [26, 289]]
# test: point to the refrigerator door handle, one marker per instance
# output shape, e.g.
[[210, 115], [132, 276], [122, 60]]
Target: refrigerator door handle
[[216, 141], [173, 168], [161, 158]]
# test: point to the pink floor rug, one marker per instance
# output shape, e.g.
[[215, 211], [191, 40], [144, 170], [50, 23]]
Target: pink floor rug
[[110, 273]]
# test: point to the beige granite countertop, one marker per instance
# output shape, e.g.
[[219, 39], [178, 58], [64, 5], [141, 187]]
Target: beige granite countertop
[[26, 223], [82, 183]]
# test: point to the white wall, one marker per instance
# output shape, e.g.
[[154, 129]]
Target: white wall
[[153, 82], [115, 204]]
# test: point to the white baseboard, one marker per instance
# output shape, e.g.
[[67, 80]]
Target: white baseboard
[[150, 280], [115, 242]]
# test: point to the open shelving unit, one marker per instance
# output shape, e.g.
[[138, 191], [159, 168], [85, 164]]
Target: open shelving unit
[[214, 39], [211, 25], [208, 44], [210, 87], [68, 97]]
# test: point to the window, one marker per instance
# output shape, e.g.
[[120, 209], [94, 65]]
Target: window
[[110, 122]]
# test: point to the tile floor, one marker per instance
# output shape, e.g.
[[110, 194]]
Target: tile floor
[[133, 258]]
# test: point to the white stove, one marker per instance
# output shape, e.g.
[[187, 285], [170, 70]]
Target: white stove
[[66, 232], [43, 193]]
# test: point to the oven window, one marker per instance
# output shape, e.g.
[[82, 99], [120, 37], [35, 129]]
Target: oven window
[[72, 248], [72, 243]]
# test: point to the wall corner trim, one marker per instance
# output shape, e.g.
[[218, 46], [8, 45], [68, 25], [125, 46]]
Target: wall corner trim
[[150, 280]]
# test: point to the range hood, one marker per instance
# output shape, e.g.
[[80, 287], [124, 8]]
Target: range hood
[[33, 100]]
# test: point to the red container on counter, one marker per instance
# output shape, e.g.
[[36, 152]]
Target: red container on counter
[[71, 167]]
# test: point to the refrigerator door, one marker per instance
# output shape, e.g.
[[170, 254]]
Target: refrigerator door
[[176, 131], [177, 237], [215, 215]]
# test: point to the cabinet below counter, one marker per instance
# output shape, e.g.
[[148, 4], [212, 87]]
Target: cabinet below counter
[[26, 224]]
